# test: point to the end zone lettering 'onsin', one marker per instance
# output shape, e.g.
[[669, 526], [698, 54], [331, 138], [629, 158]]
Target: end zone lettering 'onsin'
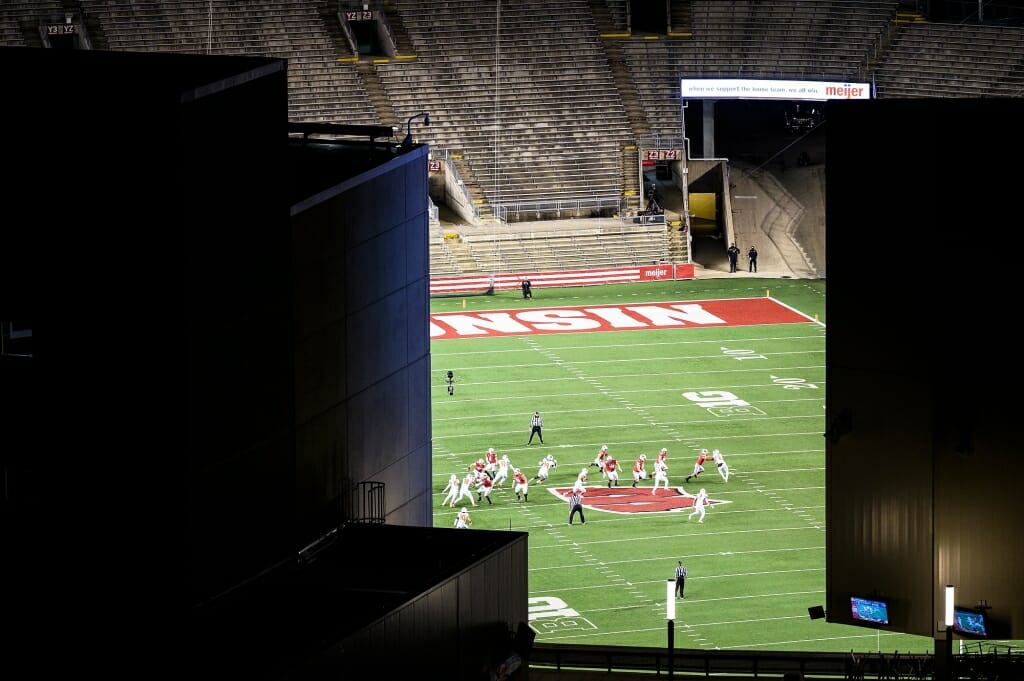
[[735, 312]]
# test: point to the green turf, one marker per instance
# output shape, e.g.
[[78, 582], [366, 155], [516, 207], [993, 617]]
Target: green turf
[[757, 562]]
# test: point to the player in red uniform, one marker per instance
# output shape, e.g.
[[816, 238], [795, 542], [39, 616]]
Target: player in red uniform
[[698, 467], [639, 470]]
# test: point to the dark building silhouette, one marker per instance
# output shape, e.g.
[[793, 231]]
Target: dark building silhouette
[[230, 341]]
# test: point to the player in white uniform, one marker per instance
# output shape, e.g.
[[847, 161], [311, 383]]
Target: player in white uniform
[[501, 475], [660, 475], [452, 489], [466, 488], [581, 482], [462, 520], [699, 502], [546, 464], [723, 467]]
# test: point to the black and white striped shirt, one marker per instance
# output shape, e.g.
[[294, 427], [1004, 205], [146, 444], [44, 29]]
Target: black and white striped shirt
[[536, 421], [575, 498]]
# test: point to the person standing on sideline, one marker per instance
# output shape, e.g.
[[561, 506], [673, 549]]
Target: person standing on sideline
[[536, 428], [699, 502], [611, 471], [522, 485], [660, 475], [723, 467], [698, 467], [576, 505], [462, 520], [752, 256], [734, 256], [680, 579]]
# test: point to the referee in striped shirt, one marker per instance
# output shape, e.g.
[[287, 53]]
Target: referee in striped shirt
[[576, 506], [536, 424]]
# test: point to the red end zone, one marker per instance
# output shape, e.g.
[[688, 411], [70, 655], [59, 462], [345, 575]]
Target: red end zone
[[692, 314]]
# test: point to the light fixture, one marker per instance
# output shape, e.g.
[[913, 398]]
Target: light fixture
[[949, 605], [408, 136]]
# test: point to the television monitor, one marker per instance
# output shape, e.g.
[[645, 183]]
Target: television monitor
[[969, 622], [869, 610]]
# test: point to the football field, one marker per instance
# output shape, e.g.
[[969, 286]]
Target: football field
[[736, 365]]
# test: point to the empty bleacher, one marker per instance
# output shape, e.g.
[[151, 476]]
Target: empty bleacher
[[569, 245], [320, 88], [953, 60], [499, 87]]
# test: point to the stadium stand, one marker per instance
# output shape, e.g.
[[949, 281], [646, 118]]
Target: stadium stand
[[540, 109], [953, 60]]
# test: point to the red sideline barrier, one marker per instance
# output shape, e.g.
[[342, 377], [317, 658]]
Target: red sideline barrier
[[610, 275]]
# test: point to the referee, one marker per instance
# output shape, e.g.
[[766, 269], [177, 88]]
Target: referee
[[576, 506], [536, 424], [680, 579]]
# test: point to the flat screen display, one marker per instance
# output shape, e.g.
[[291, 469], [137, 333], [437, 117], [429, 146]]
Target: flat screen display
[[969, 622], [869, 610]]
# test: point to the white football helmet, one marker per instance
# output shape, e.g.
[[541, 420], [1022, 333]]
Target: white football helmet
[[490, 450], [604, 448], [664, 450], [702, 491], [465, 510], [643, 457], [704, 451]]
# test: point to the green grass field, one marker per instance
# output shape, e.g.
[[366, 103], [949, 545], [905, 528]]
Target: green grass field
[[755, 392]]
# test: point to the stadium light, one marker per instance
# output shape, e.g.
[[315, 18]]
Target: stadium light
[[949, 605], [408, 136]]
